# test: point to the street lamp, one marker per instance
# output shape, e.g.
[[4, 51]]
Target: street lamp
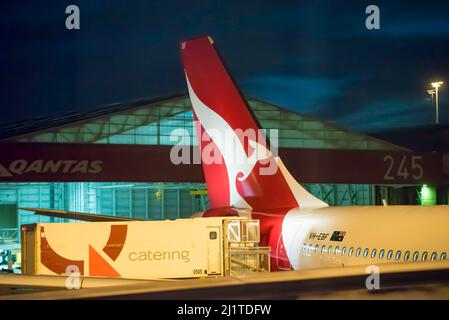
[[436, 85]]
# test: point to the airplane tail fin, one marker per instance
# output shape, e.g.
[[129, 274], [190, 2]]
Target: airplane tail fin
[[240, 168]]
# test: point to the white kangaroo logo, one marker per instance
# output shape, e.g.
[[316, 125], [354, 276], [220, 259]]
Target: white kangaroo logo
[[238, 165]]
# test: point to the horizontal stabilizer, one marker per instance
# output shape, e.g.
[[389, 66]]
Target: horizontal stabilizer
[[77, 215]]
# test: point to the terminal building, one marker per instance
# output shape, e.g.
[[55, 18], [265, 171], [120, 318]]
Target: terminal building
[[154, 123]]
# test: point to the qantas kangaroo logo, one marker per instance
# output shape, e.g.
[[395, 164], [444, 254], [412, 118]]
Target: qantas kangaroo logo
[[238, 164]]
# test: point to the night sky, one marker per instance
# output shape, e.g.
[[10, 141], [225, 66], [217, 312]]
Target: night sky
[[315, 57]]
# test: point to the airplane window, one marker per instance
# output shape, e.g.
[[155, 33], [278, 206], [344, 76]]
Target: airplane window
[[357, 253], [337, 250], [323, 249], [329, 249], [373, 253], [351, 250], [381, 254], [390, 254], [433, 256], [443, 256], [343, 251], [415, 256], [406, 255], [398, 255], [365, 252], [317, 248], [310, 248], [424, 256]]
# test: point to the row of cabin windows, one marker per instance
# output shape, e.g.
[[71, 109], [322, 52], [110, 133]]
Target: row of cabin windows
[[366, 253]]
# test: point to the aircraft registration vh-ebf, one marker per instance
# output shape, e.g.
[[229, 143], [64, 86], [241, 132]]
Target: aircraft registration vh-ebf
[[301, 230]]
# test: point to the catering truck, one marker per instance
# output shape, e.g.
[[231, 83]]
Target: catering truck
[[182, 248]]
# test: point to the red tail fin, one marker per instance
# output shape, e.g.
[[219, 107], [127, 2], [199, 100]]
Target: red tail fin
[[248, 175]]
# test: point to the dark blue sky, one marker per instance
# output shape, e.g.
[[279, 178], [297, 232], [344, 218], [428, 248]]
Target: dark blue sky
[[315, 57]]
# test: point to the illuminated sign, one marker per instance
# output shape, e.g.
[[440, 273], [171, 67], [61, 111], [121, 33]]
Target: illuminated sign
[[23, 166], [59, 162]]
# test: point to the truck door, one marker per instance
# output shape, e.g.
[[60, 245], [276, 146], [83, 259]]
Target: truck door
[[214, 251], [28, 252]]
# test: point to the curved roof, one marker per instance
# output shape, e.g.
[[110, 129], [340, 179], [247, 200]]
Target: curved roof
[[152, 121]]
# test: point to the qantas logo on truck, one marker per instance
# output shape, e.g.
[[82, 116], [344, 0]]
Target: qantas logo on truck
[[22, 166]]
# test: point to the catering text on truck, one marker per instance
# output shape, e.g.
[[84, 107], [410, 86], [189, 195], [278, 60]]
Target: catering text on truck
[[183, 248]]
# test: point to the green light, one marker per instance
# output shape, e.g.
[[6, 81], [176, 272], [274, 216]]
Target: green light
[[425, 192], [428, 195]]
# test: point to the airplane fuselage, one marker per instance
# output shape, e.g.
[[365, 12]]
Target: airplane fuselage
[[355, 235]]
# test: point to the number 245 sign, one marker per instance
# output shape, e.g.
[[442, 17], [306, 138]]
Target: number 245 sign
[[407, 166]]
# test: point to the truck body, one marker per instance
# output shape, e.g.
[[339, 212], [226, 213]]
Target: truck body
[[182, 248]]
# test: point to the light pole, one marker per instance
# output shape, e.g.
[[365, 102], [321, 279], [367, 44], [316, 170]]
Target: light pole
[[436, 85]]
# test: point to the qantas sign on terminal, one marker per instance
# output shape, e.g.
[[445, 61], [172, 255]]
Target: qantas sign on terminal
[[22, 166]]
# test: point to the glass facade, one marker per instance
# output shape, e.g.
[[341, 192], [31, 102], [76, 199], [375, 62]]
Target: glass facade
[[156, 123]]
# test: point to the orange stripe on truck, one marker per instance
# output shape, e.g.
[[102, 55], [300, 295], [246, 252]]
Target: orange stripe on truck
[[116, 241], [54, 262]]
